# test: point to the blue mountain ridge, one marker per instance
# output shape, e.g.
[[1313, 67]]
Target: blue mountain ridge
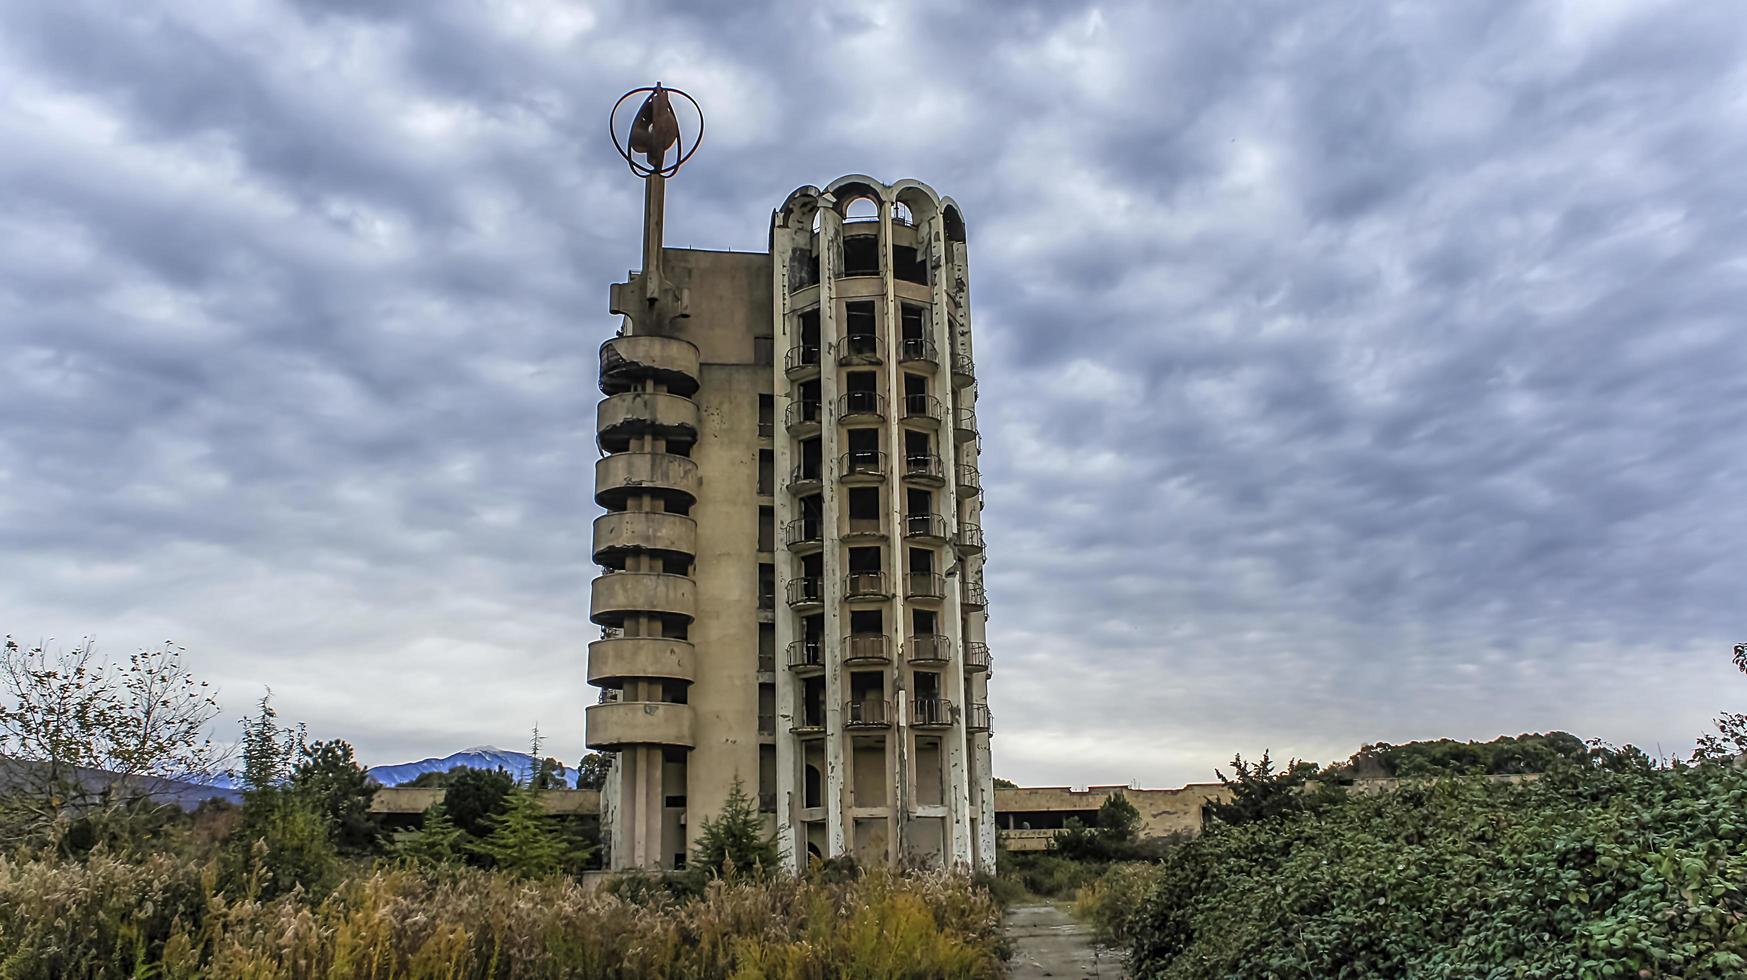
[[518, 764]]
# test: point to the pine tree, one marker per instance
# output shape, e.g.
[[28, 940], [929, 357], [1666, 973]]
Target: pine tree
[[524, 840], [733, 842], [436, 842]]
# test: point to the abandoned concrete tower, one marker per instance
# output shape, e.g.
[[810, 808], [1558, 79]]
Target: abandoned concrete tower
[[791, 589]]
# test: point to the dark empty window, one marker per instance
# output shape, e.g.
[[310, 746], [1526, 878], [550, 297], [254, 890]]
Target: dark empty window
[[864, 441], [911, 322], [864, 559], [921, 561], [766, 413], [864, 502], [766, 472], [922, 622], [867, 621], [918, 502], [908, 264], [861, 255], [859, 319], [810, 328], [766, 529]]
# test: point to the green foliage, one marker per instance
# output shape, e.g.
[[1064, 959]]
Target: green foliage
[[474, 796], [331, 781], [1046, 874], [733, 842], [1448, 757], [1115, 837], [268, 749], [1584, 872], [592, 771], [524, 841], [1260, 792], [168, 918], [283, 845], [1110, 900], [436, 843]]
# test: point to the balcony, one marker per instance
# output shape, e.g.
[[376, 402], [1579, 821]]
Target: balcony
[[630, 415], [975, 597], [964, 424], [810, 723], [617, 595], [626, 362], [805, 479], [856, 405], [864, 528], [802, 418], [922, 408], [918, 350], [866, 585], [977, 659], [927, 527], [928, 649], [621, 476], [868, 466], [622, 533], [970, 480], [622, 724], [861, 348], [806, 591], [867, 713], [978, 719], [924, 585], [924, 468], [964, 373], [969, 539], [806, 655], [931, 713], [867, 648], [801, 361], [804, 534], [615, 659]]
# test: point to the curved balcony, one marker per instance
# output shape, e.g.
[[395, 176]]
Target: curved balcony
[[807, 591], [804, 535], [978, 719], [977, 659], [928, 527], [918, 350], [867, 713], [974, 595], [626, 362], [809, 724], [925, 409], [862, 467], [616, 595], [806, 655], [864, 529], [624, 417], [969, 539], [931, 713], [867, 648], [970, 480], [626, 532], [861, 348], [613, 661], [929, 649], [801, 361], [622, 475], [805, 479], [924, 585], [964, 372], [620, 724], [964, 424], [866, 585], [924, 469], [802, 418], [856, 405]]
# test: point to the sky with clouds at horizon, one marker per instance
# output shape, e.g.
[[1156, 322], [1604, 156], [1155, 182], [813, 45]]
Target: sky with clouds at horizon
[[1347, 372]]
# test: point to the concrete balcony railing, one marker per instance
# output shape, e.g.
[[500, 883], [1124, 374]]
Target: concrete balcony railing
[[614, 660], [928, 649], [964, 372], [924, 468], [806, 655], [977, 718], [622, 417], [866, 585], [854, 405], [977, 658], [924, 585], [867, 648], [622, 724], [801, 361], [970, 480], [804, 534], [801, 418], [929, 527], [627, 532], [918, 350], [806, 591], [964, 424], [622, 475], [867, 713], [616, 595], [931, 713], [861, 348], [862, 466], [969, 539], [626, 362], [863, 528], [922, 408]]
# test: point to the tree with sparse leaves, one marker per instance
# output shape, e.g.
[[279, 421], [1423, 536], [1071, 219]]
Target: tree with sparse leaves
[[733, 842]]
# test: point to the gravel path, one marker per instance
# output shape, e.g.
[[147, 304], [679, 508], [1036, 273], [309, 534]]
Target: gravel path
[[1047, 942]]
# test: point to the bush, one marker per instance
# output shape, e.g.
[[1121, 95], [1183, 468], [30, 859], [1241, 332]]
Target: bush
[[1581, 873], [1110, 900]]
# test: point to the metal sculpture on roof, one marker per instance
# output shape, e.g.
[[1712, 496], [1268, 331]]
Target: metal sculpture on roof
[[654, 130]]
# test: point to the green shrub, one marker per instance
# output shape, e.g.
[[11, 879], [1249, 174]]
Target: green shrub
[[1110, 900], [1581, 873]]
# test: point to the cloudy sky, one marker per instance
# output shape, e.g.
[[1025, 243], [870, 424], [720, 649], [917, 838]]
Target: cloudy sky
[[1349, 372]]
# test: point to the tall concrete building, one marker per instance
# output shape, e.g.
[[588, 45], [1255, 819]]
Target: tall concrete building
[[792, 559]]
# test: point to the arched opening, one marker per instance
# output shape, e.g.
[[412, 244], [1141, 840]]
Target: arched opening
[[902, 215], [861, 208], [812, 793], [954, 224]]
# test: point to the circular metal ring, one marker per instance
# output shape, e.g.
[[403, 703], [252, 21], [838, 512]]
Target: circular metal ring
[[643, 169]]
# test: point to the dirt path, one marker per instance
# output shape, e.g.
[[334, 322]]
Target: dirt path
[[1047, 942]]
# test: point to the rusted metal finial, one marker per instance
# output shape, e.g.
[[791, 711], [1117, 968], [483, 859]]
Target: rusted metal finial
[[654, 131]]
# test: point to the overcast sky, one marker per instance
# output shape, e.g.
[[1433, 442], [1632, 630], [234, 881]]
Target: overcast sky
[[1348, 372]]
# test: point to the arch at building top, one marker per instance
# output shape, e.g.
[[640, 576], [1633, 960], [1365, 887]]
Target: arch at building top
[[954, 219], [917, 198], [798, 209]]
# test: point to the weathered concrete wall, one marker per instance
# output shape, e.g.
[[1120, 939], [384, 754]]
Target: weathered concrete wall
[[410, 799]]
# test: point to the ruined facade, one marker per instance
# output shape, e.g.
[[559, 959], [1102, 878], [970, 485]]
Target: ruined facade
[[791, 591]]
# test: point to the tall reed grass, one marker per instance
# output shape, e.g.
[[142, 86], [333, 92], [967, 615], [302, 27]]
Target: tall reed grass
[[164, 917]]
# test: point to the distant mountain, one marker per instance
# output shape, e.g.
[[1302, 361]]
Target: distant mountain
[[518, 764]]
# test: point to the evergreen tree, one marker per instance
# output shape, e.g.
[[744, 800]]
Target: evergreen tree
[[328, 777], [733, 842], [474, 796], [436, 842], [524, 840]]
